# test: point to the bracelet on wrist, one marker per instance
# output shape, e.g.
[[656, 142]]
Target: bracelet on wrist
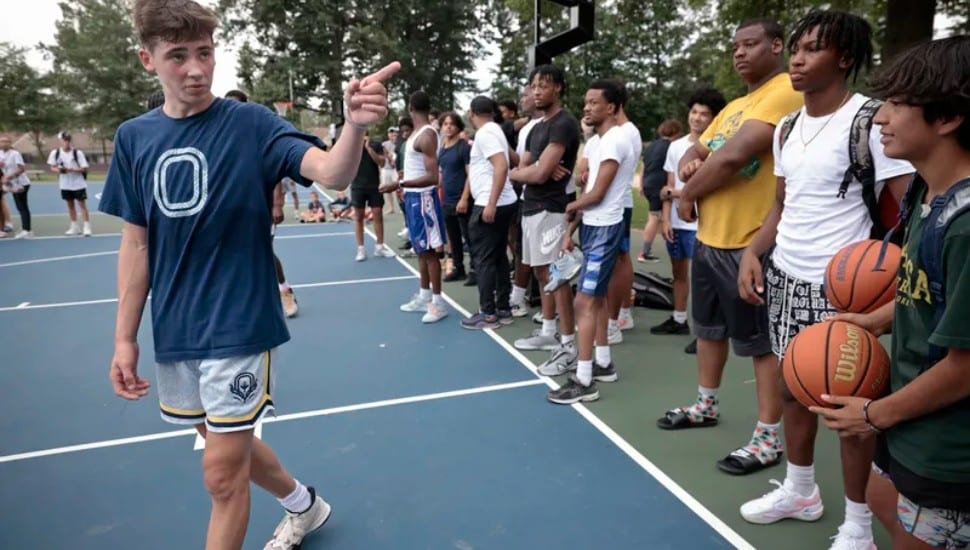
[[865, 416]]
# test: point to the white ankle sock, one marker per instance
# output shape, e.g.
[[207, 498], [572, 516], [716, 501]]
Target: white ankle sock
[[438, 301], [567, 339], [284, 287], [518, 295], [603, 358], [549, 327], [425, 294], [859, 514], [584, 372], [298, 501], [801, 479], [680, 316]]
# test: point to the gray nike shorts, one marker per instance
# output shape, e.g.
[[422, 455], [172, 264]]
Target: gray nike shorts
[[542, 237]]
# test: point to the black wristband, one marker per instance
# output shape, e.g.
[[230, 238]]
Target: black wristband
[[865, 416]]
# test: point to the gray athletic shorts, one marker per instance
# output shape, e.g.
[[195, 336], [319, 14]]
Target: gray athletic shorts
[[542, 237], [718, 310], [229, 395]]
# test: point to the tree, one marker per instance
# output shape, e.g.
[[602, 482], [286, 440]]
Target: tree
[[96, 68], [325, 43], [27, 102]]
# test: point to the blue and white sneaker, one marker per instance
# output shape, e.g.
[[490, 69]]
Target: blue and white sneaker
[[564, 270]]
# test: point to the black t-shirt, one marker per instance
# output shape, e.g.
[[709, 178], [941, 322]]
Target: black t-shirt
[[654, 157], [551, 196], [368, 173], [508, 128]]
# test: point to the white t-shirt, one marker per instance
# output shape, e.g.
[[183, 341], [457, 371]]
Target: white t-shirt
[[613, 145], [676, 152], [816, 222], [489, 141], [633, 134], [11, 159], [72, 181]]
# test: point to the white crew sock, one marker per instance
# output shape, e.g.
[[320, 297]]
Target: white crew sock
[[602, 355], [801, 479], [298, 501], [584, 372]]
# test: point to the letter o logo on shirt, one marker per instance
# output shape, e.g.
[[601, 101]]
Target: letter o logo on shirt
[[200, 182]]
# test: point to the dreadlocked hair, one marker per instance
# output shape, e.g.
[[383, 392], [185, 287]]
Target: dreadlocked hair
[[935, 76], [849, 34]]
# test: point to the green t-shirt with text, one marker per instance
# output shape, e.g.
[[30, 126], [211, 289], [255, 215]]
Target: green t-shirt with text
[[935, 446]]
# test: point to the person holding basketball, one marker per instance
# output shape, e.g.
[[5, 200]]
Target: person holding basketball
[[925, 420], [810, 220], [182, 240]]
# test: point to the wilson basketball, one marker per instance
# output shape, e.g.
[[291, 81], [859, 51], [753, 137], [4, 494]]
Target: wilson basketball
[[854, 283], [835, 358]]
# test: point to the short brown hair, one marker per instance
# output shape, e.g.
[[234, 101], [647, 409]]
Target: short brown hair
[[172, 21], [669, 128]]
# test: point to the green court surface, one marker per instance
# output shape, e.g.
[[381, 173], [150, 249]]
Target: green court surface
[[655, 375]]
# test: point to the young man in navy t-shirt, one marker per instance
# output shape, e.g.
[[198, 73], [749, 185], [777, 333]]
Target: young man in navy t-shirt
[[181, 179]]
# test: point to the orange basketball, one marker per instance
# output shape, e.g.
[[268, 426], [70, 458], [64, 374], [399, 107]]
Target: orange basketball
[[853, 284], [835, 358]]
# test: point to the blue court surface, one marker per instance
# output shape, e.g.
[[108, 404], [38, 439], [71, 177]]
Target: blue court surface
[[420, 436]]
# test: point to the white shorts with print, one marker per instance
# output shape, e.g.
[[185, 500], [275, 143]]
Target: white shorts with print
[[542, 237]]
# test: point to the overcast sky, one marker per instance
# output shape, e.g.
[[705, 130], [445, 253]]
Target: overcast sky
[[36, 24]]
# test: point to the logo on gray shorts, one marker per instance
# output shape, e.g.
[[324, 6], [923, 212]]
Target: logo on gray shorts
[[243, 386]]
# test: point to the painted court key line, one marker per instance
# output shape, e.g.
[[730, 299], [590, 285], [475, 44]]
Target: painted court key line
[[282, 418]]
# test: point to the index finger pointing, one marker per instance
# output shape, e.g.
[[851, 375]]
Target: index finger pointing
[[383, 74]]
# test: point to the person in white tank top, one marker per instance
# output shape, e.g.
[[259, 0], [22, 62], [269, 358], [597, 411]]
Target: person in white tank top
[[422, 209]]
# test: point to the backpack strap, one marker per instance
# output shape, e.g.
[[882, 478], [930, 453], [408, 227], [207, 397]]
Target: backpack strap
[[944, 209], [787, 125], [861, 167]]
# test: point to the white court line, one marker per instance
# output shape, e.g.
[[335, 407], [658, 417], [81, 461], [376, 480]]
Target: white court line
[[59, 258], [282, 418], [23, 307], [692, 503], [313, 235], [58, 237]]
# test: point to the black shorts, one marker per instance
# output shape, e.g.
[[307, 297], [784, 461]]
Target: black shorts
[[361, 198], [718, 310], [74, 194], [653, 197]]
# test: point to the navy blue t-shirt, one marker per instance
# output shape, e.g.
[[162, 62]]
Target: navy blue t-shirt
[[203, 188], [453, 161]]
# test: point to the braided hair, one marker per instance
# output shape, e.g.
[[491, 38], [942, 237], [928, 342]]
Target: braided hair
[[849, 34]]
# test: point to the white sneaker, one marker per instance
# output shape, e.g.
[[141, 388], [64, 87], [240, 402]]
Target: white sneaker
[[361, 254], [614, 336], [8, 228], [382, 251], [783, 503], [73, 230], [87, 229], [290, 307], [519, 309], [563, 359], [415, 305], [290, 532], [403, 233], [434, 314], [852, 537], [625, 321], [3, 234], [538, 341], [24, 235]]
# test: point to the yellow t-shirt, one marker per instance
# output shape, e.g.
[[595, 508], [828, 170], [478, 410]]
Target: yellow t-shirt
[[730, 216]]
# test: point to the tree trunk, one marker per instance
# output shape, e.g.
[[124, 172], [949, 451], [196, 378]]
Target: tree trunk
[[39, 144], [908, 22]]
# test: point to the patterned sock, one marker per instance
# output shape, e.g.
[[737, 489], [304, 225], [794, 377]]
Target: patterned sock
[[705, 406], [765, 442]]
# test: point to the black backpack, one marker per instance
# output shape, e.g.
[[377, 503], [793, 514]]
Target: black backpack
[[861, 168], [653, 291], [57, 158]]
